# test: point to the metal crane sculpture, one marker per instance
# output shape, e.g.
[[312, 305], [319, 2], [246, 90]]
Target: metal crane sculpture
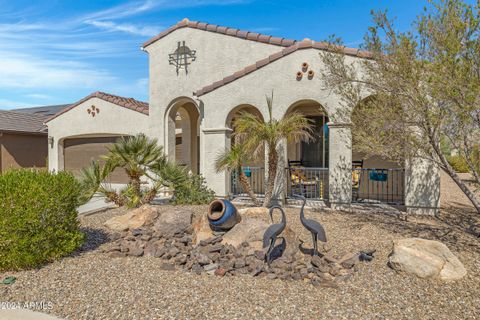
[[315, 228], [272, 232]]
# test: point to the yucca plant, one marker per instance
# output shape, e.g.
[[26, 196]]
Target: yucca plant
[[257, 133], [232, 161]]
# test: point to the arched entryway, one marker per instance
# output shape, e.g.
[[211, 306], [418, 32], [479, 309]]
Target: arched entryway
[[254, 167], [183, 133], [307, 161]]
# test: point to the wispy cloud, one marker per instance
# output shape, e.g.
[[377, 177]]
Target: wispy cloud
[[6, 104], [48, 57], [25, 71], [127, 27], [40, 96]]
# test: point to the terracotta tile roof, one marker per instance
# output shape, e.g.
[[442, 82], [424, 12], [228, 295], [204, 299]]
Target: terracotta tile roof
[[185, 23], [19, 122], [305, 44], [128, 103]]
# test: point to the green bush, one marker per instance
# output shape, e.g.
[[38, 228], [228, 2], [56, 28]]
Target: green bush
[[192, 191], [38, 218]]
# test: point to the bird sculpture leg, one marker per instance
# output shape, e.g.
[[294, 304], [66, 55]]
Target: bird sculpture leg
[[269, 252], [314, 239]]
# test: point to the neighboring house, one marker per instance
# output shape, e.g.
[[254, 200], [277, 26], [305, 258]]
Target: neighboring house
[[201, 77], [45, 111], [23, 140]]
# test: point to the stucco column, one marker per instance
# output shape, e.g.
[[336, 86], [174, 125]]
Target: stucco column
[[55, 154], [422, 187], [340, 166], [215, 141], [170, 137]]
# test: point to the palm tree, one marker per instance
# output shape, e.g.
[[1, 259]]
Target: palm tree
[[232, 160], [257, 134], [135, 154]]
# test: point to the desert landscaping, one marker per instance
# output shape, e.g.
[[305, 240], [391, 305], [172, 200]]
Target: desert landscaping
[[95, 283]]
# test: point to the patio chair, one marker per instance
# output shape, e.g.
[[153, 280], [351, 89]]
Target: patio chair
[[356, 178], [299, 182]]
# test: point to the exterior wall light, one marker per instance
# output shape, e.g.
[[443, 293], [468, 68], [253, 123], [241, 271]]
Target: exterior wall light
[[50, 141]]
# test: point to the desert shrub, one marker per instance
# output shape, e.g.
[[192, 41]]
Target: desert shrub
[[38, 217], [192, 191], [458, 164]]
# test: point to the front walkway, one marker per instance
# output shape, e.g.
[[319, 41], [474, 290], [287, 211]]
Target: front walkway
[[24, 314]]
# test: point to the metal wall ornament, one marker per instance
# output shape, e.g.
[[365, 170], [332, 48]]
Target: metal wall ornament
[[182, 57]]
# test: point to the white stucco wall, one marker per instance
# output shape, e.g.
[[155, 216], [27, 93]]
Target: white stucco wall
[[217, 55], [279, 76], [111, 120]]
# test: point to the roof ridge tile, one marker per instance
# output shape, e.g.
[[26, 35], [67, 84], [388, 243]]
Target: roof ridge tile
[[129, 103]]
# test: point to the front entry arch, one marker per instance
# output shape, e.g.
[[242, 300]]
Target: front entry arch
[[183, 133]]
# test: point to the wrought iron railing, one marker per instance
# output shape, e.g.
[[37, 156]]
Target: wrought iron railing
[[378, 185], [256, 178], [368, 185], [312, 183]]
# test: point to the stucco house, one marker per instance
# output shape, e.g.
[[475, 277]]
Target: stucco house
[[201, 76]]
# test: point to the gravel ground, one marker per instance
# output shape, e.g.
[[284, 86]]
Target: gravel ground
[[90, 285]]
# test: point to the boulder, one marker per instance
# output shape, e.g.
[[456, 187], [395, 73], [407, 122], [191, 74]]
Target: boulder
[[173, 222], [425, 259], [201, 229], [249, 230], [253, 212], [136, 218]]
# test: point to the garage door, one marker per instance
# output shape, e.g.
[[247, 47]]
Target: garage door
[[78, 153]]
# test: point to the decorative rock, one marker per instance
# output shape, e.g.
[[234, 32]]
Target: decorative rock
[[210, 267], [202, 259], [201, 229], [253, 212], [196, 268], [117, 254], [349, 261], [143, 216], [248, 230], [425, 259], [239, 263], [173, 222], [220, 272]]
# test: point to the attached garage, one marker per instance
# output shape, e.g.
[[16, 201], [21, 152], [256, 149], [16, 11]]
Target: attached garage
[[78, 153]]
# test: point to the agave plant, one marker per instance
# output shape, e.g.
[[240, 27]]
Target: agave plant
[[257, 133], [232, 161]]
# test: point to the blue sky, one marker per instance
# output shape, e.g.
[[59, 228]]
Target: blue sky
[[55, 52]]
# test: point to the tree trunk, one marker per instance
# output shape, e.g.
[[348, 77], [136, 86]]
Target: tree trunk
[[449, 170], [272, 174], [247, 188], [136, 183]]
